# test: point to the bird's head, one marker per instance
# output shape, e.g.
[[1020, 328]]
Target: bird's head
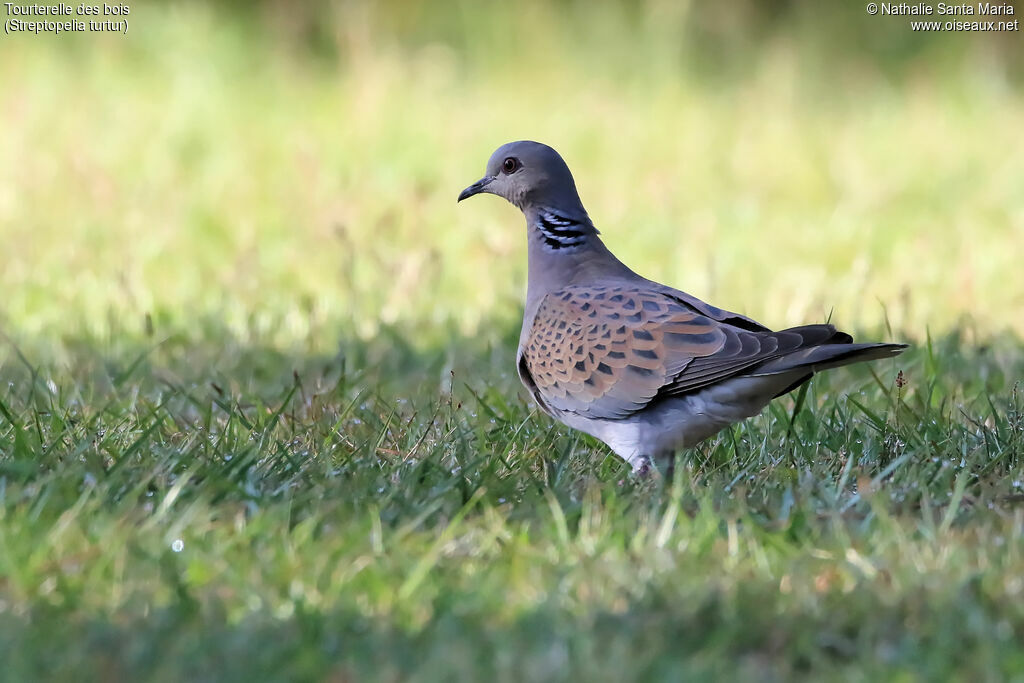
[[527, 173]]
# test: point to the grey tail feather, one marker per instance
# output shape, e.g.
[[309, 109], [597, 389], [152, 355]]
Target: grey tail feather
[[826, 356]]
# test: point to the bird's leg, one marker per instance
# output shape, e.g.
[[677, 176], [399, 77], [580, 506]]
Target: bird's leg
[[643, 467], [670, 467]]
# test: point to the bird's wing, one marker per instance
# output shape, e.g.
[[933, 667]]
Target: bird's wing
[[608, 351], [713, 312]]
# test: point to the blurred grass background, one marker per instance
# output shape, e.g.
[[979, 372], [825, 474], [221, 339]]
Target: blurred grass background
[[280, 167], [236, 285]]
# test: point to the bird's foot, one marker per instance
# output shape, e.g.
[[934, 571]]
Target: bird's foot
[[643, 468]]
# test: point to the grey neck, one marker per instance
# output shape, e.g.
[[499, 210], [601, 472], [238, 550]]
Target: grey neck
[[565, 249], [560, 230]]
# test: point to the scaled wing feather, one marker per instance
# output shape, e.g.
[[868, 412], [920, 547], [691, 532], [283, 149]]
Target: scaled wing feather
[[608, 351]]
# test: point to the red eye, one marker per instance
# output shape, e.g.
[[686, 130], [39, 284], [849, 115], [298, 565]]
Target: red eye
[[510, 165]]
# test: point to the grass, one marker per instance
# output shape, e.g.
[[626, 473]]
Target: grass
[[160, 523], [258, 413]]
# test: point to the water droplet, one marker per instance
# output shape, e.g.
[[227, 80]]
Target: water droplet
[[177, 545]]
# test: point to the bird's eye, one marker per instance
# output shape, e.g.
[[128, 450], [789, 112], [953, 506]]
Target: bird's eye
[[510, 165]]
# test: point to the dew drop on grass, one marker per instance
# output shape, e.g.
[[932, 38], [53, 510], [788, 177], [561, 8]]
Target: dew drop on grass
[[177, 545]]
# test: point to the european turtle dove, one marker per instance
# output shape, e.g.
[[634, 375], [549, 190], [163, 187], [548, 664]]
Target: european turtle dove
[[645, 368]]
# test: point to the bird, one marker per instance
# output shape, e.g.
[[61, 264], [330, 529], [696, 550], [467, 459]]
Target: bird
[[645, 368]]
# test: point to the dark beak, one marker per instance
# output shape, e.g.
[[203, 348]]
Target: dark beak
[[476, 188]]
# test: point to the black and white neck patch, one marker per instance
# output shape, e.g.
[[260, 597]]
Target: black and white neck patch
[[561, 232]]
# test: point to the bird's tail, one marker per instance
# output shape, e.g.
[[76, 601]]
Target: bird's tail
[[839, 350]]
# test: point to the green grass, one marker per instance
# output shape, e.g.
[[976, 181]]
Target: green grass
[[189, 511], [259, 418]]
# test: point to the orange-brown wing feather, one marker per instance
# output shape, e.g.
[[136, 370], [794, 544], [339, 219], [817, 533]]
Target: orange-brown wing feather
[[607, 351]]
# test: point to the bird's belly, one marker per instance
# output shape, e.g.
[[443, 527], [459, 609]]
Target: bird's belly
[[675, 423]]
